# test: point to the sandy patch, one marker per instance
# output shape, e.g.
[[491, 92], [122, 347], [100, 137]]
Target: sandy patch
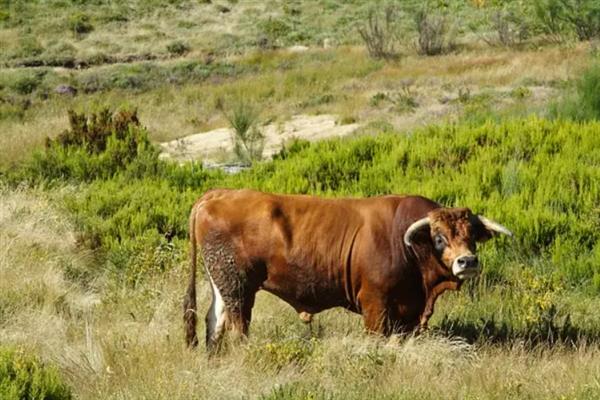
[[208, 146]]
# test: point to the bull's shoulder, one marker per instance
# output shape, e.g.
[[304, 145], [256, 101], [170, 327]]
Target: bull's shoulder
[[414, 206], [229, 196]]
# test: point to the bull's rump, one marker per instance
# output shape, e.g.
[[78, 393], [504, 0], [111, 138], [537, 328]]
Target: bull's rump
[[305, 249]]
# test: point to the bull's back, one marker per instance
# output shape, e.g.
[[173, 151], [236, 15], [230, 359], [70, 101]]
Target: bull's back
[[236, 214], [306, 231]]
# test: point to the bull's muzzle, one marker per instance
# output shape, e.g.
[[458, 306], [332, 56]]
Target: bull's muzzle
[[465, 267]]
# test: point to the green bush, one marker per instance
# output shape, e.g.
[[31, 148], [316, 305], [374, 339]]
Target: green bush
[[559, 17], [248, 140], [23, 376], [178, 48], [79, 23], [148, 75], [29, 46], [279, 354], [297, 391], [434, 35], [273, 31], [99, 145], [584, 17], [27, 83], [509, 25], [380, 33], [550, 19], [581, 103]]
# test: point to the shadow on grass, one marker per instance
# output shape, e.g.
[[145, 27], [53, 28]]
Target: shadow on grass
[[543, 333]]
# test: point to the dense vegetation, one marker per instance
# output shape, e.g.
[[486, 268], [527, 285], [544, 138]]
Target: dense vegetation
[[23, 376]]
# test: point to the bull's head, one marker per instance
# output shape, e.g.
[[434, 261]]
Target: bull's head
[[454, 233]]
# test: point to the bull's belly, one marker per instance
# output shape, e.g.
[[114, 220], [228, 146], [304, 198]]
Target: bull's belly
[[307, 297]]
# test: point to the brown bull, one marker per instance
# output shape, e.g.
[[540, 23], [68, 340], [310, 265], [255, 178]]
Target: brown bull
[[387, 258]]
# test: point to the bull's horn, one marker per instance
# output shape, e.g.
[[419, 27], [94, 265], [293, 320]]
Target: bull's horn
[[494, 226], [423, 222]]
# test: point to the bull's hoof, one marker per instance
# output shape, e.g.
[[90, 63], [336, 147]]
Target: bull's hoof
[[306, 317], [420, 329]]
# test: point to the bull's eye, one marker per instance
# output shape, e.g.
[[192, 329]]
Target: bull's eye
[[440, 242]]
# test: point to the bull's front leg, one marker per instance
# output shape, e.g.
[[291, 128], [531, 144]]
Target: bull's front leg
[[431, 298]]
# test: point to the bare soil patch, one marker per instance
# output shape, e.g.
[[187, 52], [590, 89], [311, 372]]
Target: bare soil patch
[[216, 144]]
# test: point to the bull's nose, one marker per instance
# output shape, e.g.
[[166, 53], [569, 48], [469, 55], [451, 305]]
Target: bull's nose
[[466, 262]]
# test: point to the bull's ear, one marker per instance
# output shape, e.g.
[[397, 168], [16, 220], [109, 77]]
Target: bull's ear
[[485, 229]]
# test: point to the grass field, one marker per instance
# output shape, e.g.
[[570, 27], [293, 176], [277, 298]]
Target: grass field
[[112, 341], [93, 261]]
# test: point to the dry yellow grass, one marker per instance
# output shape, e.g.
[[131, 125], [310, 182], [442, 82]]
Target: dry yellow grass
[[114, 342]]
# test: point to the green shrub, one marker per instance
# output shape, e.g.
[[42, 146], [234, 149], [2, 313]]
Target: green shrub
[[99, 145], [292, 147], [248, 140], [550, 19], [583, 101], [178, 48], [279, 354], [29, 46], [138, 225], [148, 75], [273, 31], [584, 17], [558, 17], [380, 33], [79, 23], [13, 107], [434, 35], [509, 26], [23, 376], [297, 391], [27, 83]]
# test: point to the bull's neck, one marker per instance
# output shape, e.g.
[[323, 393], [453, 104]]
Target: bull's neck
[[433, 272]]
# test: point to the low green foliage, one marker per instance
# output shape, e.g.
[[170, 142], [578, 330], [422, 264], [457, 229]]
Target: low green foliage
[[582, 102], [560, 17], [279, 354], [295, 391], [434, 32], [248, 140], [178, 48], [380, 33], [510, 25], [80, 23], [23, 376], [273, 31], [137, 77]]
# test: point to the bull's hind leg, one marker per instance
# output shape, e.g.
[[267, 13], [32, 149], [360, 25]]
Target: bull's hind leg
[[233, 297], [216, 317]]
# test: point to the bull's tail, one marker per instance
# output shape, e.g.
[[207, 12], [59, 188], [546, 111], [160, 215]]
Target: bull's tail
[[189, 303]]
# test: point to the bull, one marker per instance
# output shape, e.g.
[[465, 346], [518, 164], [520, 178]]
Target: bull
[[387, 258]]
